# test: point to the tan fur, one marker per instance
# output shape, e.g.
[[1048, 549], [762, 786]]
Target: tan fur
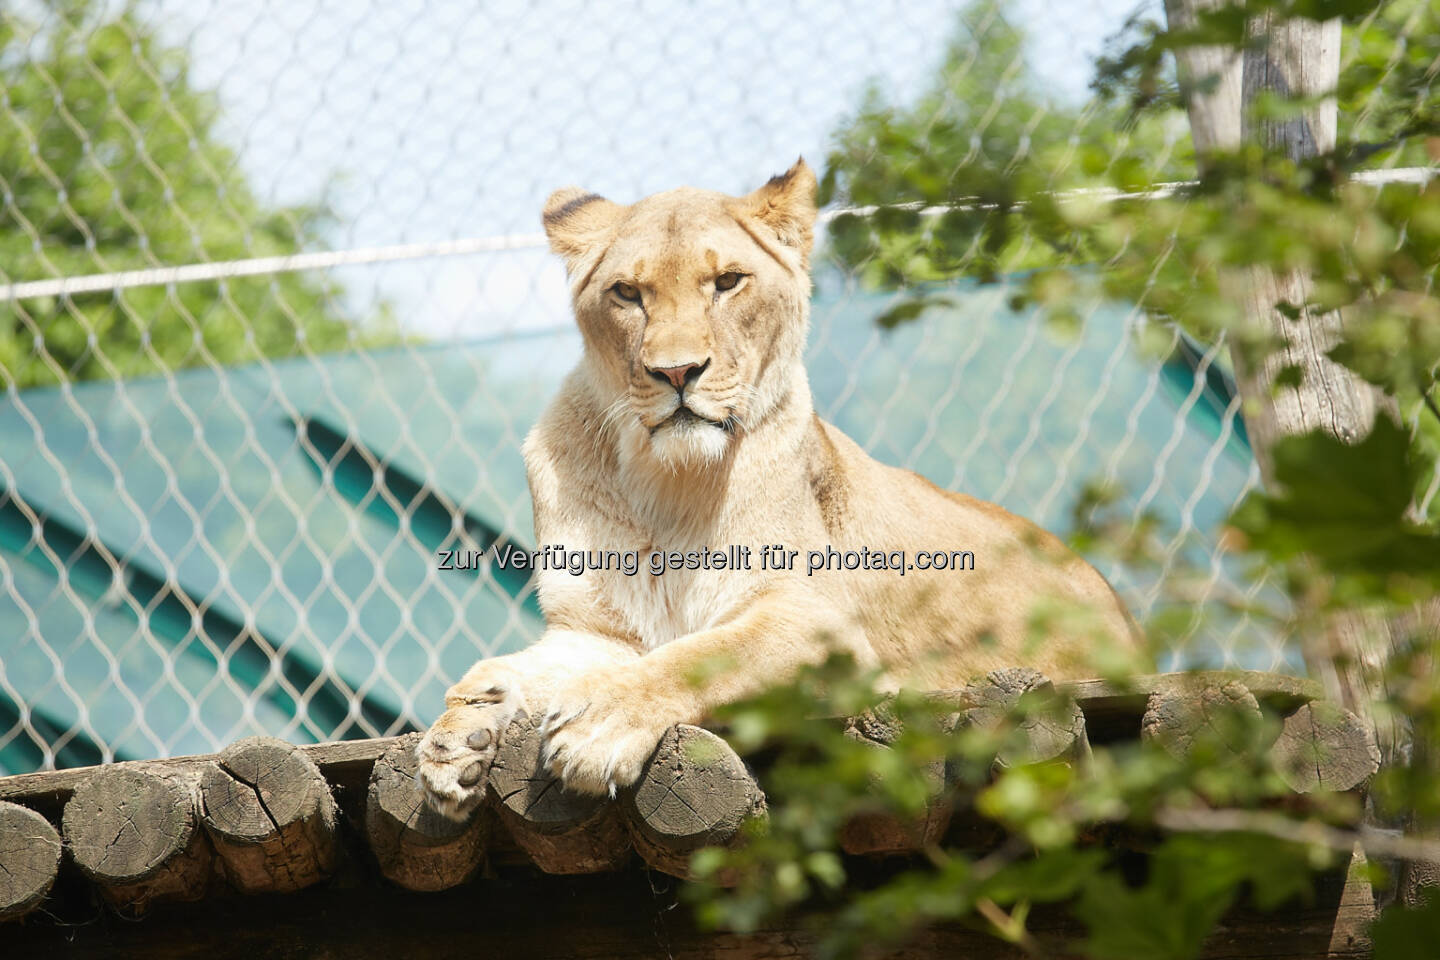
[[610, 469]]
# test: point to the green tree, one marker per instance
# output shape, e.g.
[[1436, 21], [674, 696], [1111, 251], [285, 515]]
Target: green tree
[[984, 136], [110, 160]]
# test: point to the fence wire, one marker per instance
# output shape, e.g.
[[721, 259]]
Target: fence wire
[[236, 440]]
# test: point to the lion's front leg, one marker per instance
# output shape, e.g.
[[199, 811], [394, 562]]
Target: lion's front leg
[[602, 726], [457, 751]]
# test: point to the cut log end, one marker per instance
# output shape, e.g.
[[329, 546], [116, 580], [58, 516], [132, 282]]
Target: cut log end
[[415, 846], [136, 835], [30, 854], [270, 815], [1222, 718], [694, 792], [561, 831], [1053, 731], [1323, 747]]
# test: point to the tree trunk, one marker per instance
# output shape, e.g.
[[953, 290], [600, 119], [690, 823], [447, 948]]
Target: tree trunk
[[1348, 652], [1302, 58]]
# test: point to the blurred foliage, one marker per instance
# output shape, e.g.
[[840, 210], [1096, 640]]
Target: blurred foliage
[[985, 136], [966, 182], [110, 160], [1041, 833]]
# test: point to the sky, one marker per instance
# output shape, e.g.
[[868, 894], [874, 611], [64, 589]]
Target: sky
[[425, 120]]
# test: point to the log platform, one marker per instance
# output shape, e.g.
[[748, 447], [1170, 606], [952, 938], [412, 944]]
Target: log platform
[[333, 840]]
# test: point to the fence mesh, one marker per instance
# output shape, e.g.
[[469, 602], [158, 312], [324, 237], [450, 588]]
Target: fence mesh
[[223, 497]]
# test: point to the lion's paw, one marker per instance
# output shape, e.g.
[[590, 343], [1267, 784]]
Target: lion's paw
[[457, 752], [599, 732]]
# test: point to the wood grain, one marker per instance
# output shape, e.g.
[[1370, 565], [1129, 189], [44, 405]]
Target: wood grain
[[270, 816], [414, 845], [136, 834], [29, 857]]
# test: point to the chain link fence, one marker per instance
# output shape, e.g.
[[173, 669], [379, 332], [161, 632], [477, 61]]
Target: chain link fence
[[276, 317]]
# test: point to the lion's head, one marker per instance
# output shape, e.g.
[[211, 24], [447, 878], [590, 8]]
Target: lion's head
[[692, 304]]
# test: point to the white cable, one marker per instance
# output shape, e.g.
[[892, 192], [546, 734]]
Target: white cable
[[259, 266]]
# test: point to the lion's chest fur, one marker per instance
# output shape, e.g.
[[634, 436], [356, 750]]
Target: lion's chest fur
[[660, 608], [616, 497], [661, 603], [652, 607]]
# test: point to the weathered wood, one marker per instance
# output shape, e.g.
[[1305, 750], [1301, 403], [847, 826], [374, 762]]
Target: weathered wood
[[350, 761], [269, 813], [1115, 709], [1055, 731], [339, 761], [1298, 57], [882, 832], [1210, 81], [1355, 912], [561, 831], [1302, 58], [1221, 718], [1324, 747], [694, 792], [29, 857], [415, 846], [137, 835]]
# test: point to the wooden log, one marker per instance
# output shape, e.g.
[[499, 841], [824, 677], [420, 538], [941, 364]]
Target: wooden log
[[1055, 731], [561, 831], [1223, 719], [345, 762], [270, 816], [1114, 706], [415, 846], [1325, 747], [694, 792], [882, 832], [29, 858], [137, 835]]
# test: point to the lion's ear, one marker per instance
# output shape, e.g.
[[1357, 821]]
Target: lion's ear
[[575, 220], [786, 204]]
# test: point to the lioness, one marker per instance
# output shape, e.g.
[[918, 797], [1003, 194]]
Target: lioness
[[688, 424]]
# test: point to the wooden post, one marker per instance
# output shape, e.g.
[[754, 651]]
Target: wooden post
[[1210, 82], [29, 857], [1297, 57], [1302, 58], [270, 815], [417, 847], [562, 832], [694, 792], [137, 835]]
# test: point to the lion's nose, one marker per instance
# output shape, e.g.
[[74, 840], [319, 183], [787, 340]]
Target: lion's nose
[[679, 377]]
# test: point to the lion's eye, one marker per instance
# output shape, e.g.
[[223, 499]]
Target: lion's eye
[[626, 291], [727, 281]]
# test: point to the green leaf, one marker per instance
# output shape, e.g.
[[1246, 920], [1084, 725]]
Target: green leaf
[[1408, 934], [1054, 875], [1344, 505], [907, 310]]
